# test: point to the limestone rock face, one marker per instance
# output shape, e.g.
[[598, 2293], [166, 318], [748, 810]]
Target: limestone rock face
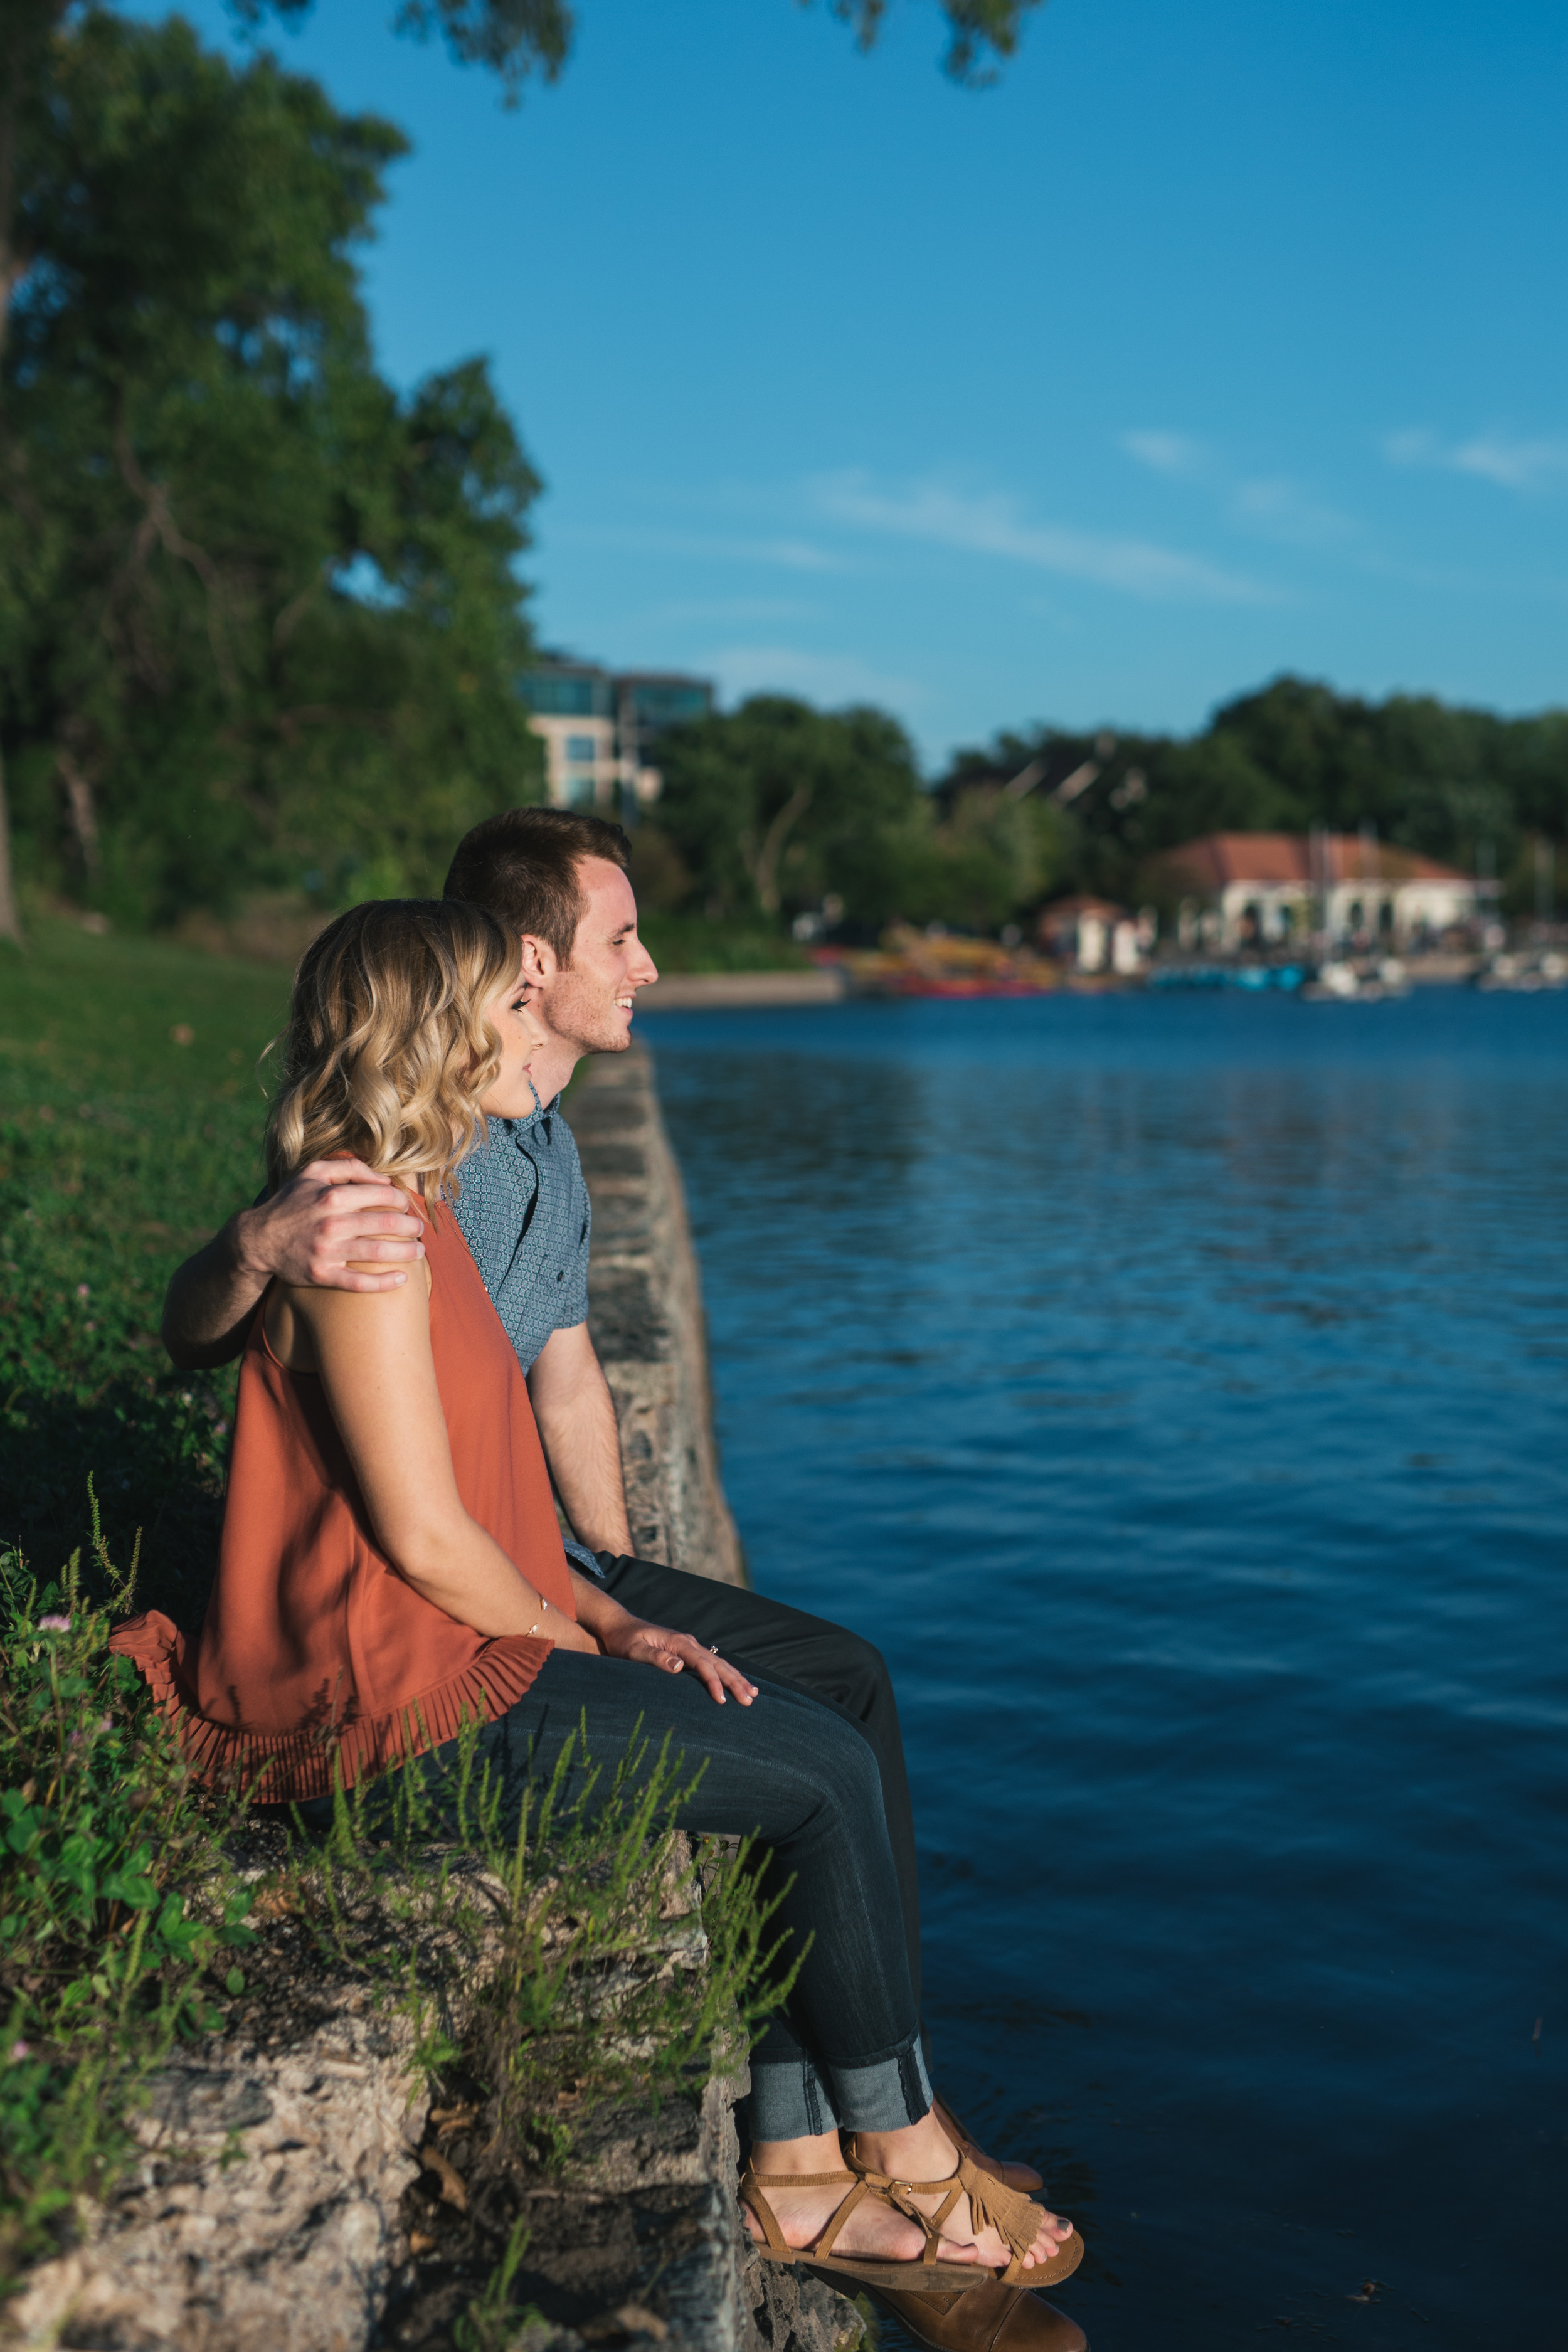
[[262, 2213], [645, 1317], [791, 2310]]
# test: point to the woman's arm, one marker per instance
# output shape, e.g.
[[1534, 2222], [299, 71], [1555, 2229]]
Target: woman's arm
[[373, 1354]]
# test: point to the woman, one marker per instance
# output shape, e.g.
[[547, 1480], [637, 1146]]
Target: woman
[[391, 1563]]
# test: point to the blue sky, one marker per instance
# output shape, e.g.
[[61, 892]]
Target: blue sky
[[1216, 340]]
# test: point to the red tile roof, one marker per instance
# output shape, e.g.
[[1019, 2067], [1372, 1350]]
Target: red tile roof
[[1270, 858]]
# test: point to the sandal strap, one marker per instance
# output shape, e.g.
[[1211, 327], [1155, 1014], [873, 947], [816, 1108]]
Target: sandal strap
[[754, 2183], [796, 2180], [1015, 2217], [751, 2195], [900, 2195]]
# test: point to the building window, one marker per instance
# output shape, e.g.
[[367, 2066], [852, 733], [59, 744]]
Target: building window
[[581, 787], [566, 694], [582, 748]]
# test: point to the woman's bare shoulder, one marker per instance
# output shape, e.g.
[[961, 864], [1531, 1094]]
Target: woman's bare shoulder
[[302, 1317]]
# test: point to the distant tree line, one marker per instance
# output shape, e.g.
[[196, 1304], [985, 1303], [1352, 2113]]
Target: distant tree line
[[775, 808]]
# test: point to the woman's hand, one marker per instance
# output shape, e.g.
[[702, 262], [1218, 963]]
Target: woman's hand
[[673, 1653]]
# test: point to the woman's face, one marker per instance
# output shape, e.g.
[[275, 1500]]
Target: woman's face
[[521, 1035]]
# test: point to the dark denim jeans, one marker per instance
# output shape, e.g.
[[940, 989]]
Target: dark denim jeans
[[808, 1782], [829, 1663]]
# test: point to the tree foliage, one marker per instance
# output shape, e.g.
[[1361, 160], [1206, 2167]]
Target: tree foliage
[[776, 808], [1465, 786], [519, 39], [258, 615]]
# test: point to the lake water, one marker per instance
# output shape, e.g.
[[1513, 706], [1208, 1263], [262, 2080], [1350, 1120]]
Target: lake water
[[1175, 1390]]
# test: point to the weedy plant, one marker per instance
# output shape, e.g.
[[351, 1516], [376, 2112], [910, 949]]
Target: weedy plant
[[559, 1950], [119, 1916], [554, 1955]]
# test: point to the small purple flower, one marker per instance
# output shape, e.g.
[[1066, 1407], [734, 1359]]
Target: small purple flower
[[18, 2051], [54, 1625], [84, 1290]]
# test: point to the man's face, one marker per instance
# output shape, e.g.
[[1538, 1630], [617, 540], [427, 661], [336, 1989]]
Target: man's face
[[588, 1003]]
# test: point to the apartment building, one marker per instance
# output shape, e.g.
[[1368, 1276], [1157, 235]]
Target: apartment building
[[598, 727]]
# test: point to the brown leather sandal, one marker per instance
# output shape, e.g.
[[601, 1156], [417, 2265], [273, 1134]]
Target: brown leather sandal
[[1022, 2177], [927, 2276], [1015, 2218]]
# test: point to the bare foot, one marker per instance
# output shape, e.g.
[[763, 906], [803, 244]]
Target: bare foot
[[873, 2230], [924, 2152]]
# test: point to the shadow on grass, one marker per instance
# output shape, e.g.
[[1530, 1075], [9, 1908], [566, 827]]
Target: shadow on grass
[[156, 1456]]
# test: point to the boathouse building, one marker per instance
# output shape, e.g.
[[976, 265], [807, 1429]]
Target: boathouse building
[[1237, 890]]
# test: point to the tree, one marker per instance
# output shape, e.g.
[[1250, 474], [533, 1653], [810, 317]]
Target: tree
[[772, 806], [776, 808], [515, 39], [1465, 786], [518, 39], [256, 612]]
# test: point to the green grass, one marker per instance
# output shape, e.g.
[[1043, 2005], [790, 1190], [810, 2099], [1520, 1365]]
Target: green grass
[[121, 1917], [122, 1148], [691, 943]]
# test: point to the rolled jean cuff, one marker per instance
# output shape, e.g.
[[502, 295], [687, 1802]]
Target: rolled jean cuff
[[799, 2100]]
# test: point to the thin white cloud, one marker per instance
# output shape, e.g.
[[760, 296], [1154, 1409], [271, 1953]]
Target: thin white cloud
[[795, 669], [1165, 453], [1512, 462], [781, 554], [992, 524], [734, 610], [790, 554], [1277, 507]]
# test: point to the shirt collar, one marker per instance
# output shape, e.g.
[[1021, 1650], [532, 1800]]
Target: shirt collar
[[521, 1126]]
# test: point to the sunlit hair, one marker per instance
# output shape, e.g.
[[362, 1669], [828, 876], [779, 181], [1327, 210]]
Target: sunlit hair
[[387, 1051]]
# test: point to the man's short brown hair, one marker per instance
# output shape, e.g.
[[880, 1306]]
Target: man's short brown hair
[[522, 865]]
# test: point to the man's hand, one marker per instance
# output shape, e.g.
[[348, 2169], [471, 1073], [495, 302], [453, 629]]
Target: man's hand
[[332, 1212], [318, 1231], [672, 1654]]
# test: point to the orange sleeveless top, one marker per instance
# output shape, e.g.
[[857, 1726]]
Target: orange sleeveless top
[[316, 1658]]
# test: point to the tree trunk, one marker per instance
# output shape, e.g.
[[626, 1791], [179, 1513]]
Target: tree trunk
[[10, 271], [29, 24], [84, 812], [10, 921], [10, 128], [763, 864]]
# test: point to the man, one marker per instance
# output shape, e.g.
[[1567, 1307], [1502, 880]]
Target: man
[[558, 879]]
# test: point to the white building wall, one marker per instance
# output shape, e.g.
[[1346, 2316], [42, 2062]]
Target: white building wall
[[581, 766]]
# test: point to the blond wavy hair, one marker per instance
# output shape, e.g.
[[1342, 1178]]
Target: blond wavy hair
[[387, 1052]]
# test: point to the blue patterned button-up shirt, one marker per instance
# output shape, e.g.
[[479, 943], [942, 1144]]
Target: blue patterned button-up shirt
[[523, 1208]]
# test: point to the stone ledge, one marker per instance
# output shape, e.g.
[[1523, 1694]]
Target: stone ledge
[[645, 1317]]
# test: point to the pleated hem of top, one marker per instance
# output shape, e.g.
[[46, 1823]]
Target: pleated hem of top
[[273, 1766]]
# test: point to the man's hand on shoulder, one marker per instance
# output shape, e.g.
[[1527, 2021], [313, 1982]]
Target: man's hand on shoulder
[[328, 1226]]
